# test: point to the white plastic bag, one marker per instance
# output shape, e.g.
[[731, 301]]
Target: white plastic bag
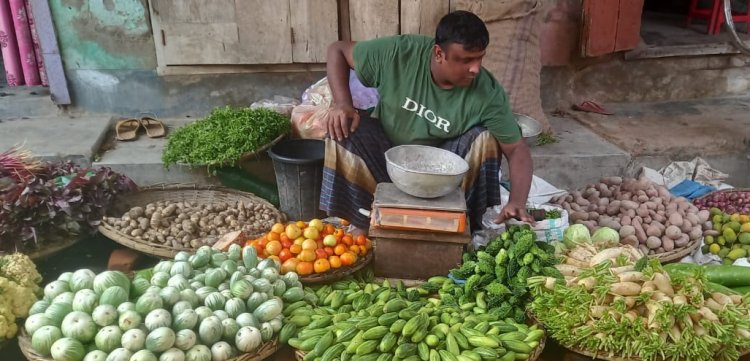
[[547, 230], [362, 97], [540, 191], [281, 104]]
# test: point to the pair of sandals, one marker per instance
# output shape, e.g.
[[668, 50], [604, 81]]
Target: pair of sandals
[[127, 129]]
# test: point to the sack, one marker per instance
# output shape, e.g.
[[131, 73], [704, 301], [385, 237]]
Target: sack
[[308, 121], [547, 230], [514, 54]]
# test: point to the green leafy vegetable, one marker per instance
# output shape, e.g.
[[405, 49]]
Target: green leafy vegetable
[[224, 136]]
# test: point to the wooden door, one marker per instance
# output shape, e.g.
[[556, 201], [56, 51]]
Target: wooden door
[[369, 19], [610, 26], [422, 16]]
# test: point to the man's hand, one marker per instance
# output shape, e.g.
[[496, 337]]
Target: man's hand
[[513, 211], [342, 120]]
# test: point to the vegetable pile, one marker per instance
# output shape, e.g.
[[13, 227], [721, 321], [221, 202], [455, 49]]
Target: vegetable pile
[[191, 225], [224, 136], [646, 216], [45, 202], [311, 248], [205, 306], [617, 302], [497, 274], [728, 237], [19, 287], [729, 202], [368, 321]]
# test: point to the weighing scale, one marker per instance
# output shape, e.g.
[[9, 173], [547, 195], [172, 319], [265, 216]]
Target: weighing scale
[[394, 209]]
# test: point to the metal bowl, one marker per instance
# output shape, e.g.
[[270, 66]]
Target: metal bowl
[[530, 128], [423, 171]]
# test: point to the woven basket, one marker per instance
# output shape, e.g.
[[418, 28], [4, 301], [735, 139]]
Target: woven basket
[[178, 193], [679, 253], [250, 155], [266, 350], [51, 248], [339, 273]]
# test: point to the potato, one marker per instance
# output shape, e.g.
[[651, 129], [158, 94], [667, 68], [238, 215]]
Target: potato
[[611, 223], [642, 211], [659, 250], [682, 241], [647, 220], [642, 198], [667, 243], [626, 220], [693, 218], [664, 193], [639, 232], [592, 207], [675, 218], [703, 215], [686, 226], [653, 242], [696, 233], [613, 209], [631, 213], [627, 231], [575, 207], [593, 216], [630, 240], [673, 232], [612, 181], [653, 231], [652, 192], [659, 218]]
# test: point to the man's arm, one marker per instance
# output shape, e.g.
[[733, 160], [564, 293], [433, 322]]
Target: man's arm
[[339, 61], [521, 172]]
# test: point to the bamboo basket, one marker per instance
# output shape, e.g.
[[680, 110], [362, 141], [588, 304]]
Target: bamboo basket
[[679, 253], [266, 350], [179, 193], [337, 274], [52, 248], [257, 152]]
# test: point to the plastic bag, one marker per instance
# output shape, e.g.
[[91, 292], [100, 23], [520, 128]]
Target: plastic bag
[[281, 104], [307, 121], [362, 97], [547, 230]]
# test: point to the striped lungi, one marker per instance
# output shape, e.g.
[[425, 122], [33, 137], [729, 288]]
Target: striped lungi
[[355, 165]]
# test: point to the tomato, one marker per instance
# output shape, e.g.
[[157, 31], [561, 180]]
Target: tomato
[[301, 224], [273, 236], [347, 240], [262, 241], [292, 231], [311, 233], [317, 224], [320, 244], [306, 255], [330, 240], [329, 229], [310, 244], [354, 249], [361, 240], [321, 265], [340, 249], [338, 233], [348, 258], [278, 228], [344, 222], [286, 243], [260, 250], [321, 253], [295, 249], [335, 261], [362, 250], [285, 254], [305, 268], [329, 250], [299, 240], [273, 248], [289, 265]]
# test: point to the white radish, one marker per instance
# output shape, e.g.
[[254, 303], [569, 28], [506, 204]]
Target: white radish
[[607, 254], [744, 333], [630, 276], [721, 298], [699, 330], [663, 284], [568, 270], [679, 300], [598, 311], [675, 333], [574, 262], [588, 283], [625, 289], [648, 286], [630, 315], [618, 270], [736, 299], [709, 315], [550, 283], [581, 254], [713, 305]]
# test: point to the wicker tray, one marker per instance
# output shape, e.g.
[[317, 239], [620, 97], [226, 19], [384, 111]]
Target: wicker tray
[[339, 273], [266, 350], [175, 192], [678, 254], [51, 248], [250, 155]]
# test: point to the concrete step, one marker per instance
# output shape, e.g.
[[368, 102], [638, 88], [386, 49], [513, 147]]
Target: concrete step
[[75, 138], [141, 159], [24, 102], [578, 157]]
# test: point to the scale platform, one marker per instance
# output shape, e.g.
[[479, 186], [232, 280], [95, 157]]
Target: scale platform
[[394, 209]]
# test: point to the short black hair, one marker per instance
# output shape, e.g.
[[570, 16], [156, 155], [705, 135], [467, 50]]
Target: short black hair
[[462, 27]]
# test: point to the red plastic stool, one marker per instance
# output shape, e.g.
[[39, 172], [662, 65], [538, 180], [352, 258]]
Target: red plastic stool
[[736, 18], [710, 14]]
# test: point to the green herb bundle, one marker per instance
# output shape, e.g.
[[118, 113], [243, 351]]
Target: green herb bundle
[[223, 136]]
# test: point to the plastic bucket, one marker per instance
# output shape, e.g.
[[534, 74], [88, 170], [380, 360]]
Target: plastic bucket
[[298, 164]]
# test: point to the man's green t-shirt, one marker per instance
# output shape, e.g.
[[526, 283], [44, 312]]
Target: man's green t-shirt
[[413, 109]]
